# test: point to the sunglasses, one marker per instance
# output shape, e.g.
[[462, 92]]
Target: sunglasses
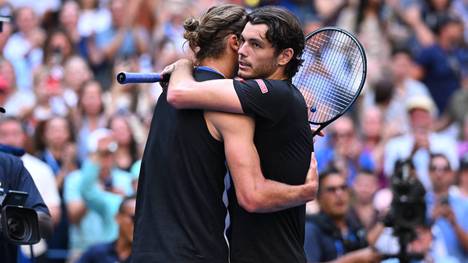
[[334, 189]]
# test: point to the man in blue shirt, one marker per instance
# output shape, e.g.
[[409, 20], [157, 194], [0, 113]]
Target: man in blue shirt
[[13, 176]]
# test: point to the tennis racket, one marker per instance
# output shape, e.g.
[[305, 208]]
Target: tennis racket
[[332, 74]]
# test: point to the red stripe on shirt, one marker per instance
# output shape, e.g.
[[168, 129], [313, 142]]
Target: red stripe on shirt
[[262, 85]]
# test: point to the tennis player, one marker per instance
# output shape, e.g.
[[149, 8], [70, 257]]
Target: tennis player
[[180, 214], [269, 55]]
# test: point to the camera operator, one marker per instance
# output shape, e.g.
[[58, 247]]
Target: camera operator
[[13, 176], [448, 211], [332, 234]]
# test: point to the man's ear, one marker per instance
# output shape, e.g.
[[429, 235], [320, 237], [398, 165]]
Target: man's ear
[[233, 42], [285, 56]]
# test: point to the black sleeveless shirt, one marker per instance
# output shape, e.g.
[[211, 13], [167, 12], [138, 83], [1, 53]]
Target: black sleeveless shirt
[[180, 213]]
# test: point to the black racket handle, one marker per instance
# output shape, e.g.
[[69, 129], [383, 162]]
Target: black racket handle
[[134, 77]]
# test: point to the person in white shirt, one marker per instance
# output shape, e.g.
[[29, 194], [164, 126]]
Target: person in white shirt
[[420, 141]]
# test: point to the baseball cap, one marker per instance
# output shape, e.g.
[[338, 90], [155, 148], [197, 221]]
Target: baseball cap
[[420, 102]]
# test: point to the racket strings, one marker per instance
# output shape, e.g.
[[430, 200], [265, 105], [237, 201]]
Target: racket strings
[[331, 75]]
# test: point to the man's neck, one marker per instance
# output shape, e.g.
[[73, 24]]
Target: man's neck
[[223, 65]]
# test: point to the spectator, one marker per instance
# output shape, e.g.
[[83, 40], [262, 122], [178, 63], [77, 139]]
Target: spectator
[[24, 47], [375, 135], [121, 40], [333, 234], [55, 144], [128, 151], [75, 73], [90, 115], [93, 19], [68, 18], [450, 228], [404, 88], [440, 64], [461, 187], [18, 103], [456, 109], [420, 141], [344, 151], [362, 208], [79, 189], [118, 250]]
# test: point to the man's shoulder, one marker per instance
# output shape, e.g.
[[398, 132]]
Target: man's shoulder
[[9, 162]]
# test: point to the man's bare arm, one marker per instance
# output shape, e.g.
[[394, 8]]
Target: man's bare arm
[[184, 92], [254, 192]]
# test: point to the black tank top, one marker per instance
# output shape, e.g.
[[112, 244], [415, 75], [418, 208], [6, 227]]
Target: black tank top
[[180, 213]]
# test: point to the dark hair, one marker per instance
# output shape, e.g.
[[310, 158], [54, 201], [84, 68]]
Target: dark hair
[[432, 156], [39, 135], [331, 170], [82, 90], [206, 36], [445, 21], [133, 147], [284, 31]]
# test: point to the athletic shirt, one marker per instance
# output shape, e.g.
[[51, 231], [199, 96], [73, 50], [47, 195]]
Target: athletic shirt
[[284, 142], [179, 212]]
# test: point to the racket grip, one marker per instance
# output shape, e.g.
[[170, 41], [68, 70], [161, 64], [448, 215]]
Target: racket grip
[[133, 77]]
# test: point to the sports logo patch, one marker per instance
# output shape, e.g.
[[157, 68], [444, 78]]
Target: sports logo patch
[[262, 85]]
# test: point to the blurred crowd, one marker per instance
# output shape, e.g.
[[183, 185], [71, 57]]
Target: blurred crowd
[[85, 134]]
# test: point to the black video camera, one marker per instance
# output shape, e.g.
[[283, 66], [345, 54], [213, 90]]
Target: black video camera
[[408, 208], [19, 225]]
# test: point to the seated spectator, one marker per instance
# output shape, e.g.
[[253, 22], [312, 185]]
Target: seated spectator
[[55, 145], [420, 141], [118, 250], [332, 234], [90, 115], [450, 229], [128, 151], [90, 213], [362, 208], [344, 150]]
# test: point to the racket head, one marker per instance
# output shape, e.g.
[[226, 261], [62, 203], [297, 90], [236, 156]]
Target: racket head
[[332, 74]]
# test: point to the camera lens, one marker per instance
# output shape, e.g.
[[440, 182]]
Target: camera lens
[[18, 228]]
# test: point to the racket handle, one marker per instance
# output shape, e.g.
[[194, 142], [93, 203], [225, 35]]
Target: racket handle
[[133, 77]]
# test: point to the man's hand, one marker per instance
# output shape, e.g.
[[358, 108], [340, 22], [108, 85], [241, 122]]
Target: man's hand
[[312, 179], [181, 63]]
